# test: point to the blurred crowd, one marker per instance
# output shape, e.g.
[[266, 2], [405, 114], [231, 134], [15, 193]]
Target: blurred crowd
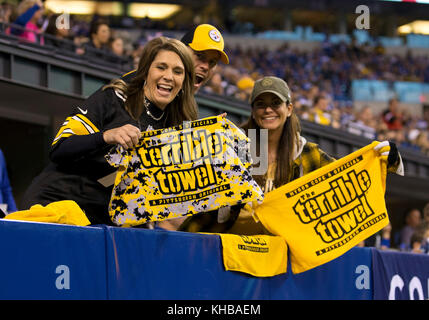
[[332, 66], [93, 39], [414, 235], [411, 236], [315, 103], [320, 79]]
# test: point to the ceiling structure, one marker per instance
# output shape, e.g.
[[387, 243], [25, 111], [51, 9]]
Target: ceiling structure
[[322, 15]]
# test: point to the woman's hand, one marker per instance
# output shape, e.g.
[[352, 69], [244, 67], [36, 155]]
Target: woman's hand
[[388, 152], [127, 136]]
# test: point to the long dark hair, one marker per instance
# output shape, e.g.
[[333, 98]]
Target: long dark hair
[[183, 107], [288, 140]]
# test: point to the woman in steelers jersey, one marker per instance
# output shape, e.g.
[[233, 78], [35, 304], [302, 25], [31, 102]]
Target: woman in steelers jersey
[[158, 95]]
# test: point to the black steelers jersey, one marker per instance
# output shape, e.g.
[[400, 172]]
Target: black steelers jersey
[[77, 156]]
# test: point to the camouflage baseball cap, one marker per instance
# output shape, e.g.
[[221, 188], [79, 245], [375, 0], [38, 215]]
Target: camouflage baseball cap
[[274, 85]]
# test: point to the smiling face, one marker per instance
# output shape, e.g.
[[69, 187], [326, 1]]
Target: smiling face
[[270, 112], [164, 79], [205, 63]]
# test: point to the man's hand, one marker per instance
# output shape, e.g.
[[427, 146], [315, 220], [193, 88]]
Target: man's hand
[[388, 152]]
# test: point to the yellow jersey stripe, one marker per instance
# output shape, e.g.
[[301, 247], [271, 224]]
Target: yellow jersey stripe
[[87, 123], [124, 75]]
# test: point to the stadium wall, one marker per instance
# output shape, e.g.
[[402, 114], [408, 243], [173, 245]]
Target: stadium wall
[[62, 262]]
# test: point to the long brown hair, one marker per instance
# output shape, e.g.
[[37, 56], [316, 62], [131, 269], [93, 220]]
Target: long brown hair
[[285, 150], [183, 107]]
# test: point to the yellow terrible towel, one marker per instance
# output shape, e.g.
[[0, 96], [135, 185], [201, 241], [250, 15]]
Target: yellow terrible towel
[[63, 212], [327, 212], [259, 255]]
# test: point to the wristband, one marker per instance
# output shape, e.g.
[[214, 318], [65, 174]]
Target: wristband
[[385, 242]]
